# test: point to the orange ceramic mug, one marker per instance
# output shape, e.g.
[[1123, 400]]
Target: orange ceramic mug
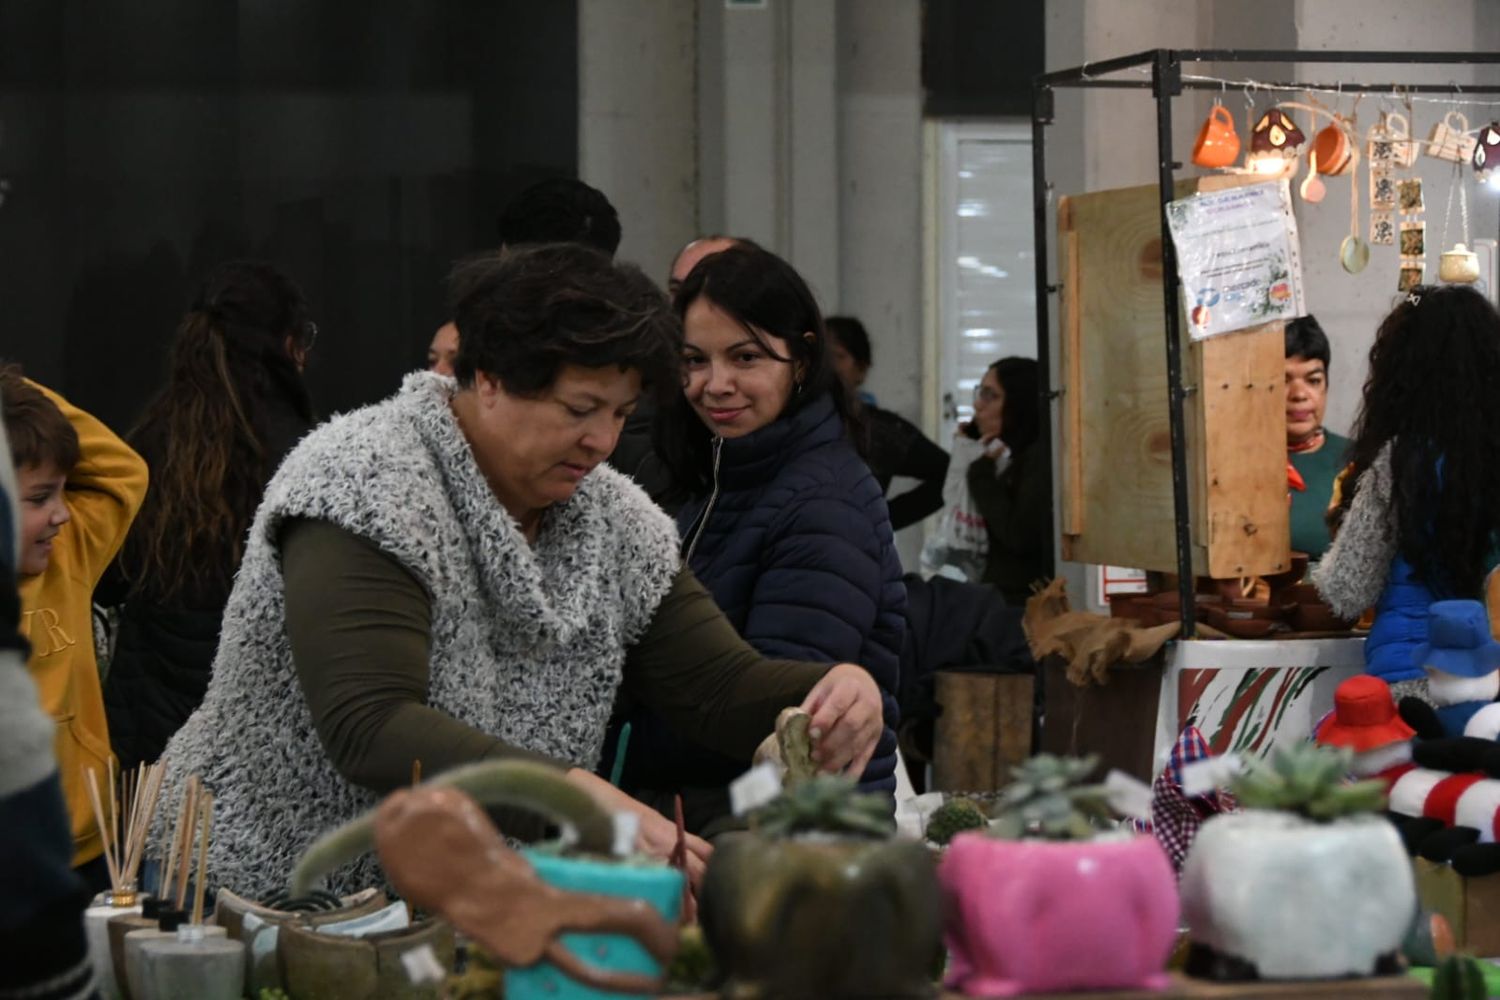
[[1217, 145], [1335, 150]]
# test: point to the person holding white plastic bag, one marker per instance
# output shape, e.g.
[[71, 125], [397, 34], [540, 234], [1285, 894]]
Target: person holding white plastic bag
[[996, 525]]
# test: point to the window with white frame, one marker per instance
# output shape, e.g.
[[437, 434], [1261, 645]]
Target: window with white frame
[[985, 267]]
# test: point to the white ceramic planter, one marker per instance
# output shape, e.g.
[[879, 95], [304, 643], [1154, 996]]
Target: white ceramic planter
[[1299, 900]]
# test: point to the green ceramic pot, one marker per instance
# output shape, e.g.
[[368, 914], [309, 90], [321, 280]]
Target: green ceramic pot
[[822, 916]]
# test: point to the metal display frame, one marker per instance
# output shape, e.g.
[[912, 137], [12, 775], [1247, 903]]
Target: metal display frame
[[1166, 82]]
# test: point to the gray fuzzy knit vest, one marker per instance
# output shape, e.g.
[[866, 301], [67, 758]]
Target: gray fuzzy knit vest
[[528, 642]]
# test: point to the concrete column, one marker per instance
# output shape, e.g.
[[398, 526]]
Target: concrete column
[[637, 122], [770, 158], [880, 190]]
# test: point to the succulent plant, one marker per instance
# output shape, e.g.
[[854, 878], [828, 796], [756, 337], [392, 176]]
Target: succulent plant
[[952, 818], [825, 803], [1047, 799], [1309, 780]]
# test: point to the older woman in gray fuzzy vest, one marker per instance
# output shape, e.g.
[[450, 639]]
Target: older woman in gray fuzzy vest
[[452, 575]]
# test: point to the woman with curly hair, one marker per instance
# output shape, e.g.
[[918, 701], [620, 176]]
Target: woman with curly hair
[[1423, 517], [233, 406]]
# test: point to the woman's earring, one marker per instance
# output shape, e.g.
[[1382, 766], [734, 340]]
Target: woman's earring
[[796, 388]]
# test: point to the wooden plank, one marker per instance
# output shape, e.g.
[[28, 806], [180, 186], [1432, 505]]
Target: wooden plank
[[984, 729], [1184, 988], [1124, 446], [1116, 446], [1243, 391], [1070, 366]]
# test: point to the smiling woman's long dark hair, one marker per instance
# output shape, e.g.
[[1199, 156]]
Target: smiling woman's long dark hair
[[1433, 389], [765, 295]]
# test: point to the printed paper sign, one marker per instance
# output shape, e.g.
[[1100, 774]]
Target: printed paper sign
[[1238, 256]]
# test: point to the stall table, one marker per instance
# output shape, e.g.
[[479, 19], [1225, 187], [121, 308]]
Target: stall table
[[1245, 696]]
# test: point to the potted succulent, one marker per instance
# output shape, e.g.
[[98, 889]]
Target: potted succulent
[[1306, 882], [1050, 898], [817, 900], [568, 921]]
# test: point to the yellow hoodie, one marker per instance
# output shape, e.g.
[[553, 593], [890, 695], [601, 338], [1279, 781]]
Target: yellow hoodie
[[104, 492]]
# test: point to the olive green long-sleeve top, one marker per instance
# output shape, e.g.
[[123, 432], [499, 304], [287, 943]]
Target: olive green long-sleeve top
[[360, 628]]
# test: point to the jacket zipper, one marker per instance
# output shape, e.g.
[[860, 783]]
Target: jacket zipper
[[708, 508]]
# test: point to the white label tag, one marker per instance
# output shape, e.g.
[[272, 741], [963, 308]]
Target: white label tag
[[626, 826], [754, 788], [422, 965], [1128, 795], [1204, 776]]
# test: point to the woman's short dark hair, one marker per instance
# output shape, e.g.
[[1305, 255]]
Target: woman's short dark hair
[[1306, 339], [1020, 416], [765, 295], [851, 334], [524, 313]]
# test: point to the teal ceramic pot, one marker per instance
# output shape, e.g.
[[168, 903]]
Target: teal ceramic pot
[[658, 885]]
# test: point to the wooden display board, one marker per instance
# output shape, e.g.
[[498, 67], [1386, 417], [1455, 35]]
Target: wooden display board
[[1116, 462]]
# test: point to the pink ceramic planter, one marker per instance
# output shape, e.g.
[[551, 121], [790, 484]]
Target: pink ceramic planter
[[1043, 916]]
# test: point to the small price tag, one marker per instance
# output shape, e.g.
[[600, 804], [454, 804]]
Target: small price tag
[[422, 966], [626, 826], [1128, 795], [1204, 776], [754, 788]]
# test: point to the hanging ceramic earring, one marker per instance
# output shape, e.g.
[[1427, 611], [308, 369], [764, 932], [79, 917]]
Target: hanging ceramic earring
[[1486, 157], [1459, 265], [1354, 253], [1312, 188]]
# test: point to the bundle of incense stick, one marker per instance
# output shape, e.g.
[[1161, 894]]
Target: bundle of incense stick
[[124, 828], [194, 822]]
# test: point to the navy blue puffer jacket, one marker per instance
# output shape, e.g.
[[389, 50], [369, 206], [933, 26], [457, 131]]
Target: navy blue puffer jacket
[[795, 545]]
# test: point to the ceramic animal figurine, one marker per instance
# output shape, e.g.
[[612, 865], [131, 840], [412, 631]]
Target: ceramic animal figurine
[[1061, 908]]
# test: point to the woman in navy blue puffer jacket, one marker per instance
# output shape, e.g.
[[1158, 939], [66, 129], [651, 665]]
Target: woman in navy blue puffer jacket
[[785, 525]]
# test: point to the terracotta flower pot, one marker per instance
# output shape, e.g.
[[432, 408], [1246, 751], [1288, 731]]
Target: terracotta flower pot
[[822, 916], [1030, 916], [1274, 895]]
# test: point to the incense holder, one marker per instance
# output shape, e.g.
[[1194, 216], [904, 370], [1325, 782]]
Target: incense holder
[[96, 929], [192, 963]]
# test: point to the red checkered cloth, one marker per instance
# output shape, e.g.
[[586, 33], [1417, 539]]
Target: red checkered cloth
[[1175, 817]]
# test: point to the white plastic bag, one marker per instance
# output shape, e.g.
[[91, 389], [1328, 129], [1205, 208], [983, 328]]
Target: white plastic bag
[[959, 543]]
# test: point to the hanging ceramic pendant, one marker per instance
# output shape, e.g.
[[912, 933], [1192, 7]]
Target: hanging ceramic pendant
[[1275, 142], [1354, 253], [1459, 265], [1487, 153], [1312, 188]]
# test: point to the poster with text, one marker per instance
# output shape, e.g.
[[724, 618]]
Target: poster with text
[[1238, 257]]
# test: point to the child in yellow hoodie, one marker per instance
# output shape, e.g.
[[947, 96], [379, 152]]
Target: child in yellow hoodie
[[79, 487]]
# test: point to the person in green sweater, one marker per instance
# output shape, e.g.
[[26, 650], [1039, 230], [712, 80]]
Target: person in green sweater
[[1317, 454]]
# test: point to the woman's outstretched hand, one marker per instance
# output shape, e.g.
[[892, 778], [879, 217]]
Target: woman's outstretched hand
[[847, 719]]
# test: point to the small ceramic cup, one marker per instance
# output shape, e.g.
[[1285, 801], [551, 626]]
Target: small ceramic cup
[[1459, 265], [1335, 149], [1218, 144]]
